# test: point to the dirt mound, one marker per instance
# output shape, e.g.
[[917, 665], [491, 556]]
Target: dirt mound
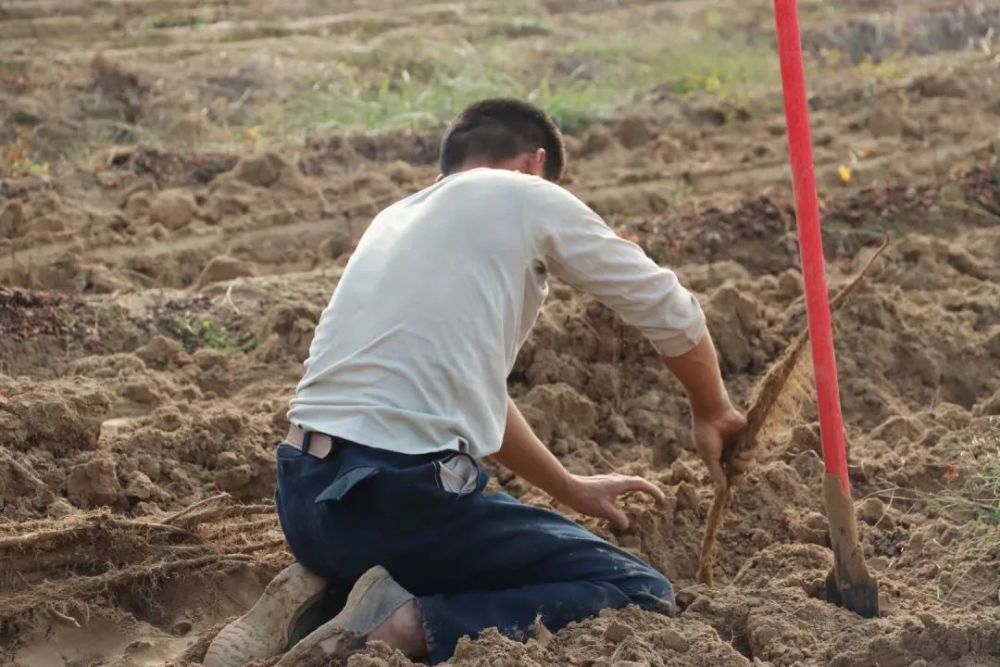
[[91, 563], [918, 32], [182, 396], [192, 254], [628, 637]]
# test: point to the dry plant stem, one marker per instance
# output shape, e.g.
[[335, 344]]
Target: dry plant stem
[[766, 394], [24, 472], [141, 553], [83, 589], [198, 505], [96, 526]]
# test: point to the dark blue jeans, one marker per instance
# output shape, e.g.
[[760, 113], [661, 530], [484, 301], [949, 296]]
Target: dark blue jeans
[[473, 560]]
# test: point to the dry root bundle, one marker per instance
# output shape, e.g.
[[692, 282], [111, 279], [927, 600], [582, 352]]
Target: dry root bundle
[[63, 567], [775, 401]]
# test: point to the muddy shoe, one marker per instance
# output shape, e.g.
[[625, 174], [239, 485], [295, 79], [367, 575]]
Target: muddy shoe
[[264, 631], [372, 601]]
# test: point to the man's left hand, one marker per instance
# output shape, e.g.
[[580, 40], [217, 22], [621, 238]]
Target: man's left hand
[[595, 495]]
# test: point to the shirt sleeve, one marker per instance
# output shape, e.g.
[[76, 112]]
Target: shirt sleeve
[[579, 248]]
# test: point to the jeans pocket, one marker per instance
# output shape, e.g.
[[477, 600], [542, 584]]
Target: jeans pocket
[[458, 474], [345, 481]]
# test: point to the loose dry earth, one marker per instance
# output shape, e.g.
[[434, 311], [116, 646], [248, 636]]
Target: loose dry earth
[[182, 188]]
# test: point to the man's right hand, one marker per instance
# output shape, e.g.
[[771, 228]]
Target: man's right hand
[[715, 420], [712, 430]]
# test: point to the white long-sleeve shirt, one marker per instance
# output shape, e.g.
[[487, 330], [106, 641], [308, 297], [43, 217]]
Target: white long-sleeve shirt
[[413, 351]]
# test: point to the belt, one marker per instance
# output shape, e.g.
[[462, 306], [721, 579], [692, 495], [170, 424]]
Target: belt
[[315, 444]]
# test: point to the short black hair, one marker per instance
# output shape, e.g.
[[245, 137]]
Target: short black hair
[[498, 129]]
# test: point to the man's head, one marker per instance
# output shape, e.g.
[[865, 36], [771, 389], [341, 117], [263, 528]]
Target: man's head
[[503, 133]]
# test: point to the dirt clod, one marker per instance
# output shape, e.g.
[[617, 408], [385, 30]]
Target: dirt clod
[[633, 132], [872, 510], [93, 483], [173, 208], [262, 170], [223, 268]]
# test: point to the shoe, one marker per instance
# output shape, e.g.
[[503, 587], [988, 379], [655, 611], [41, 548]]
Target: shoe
[[371, 602], [264, 631]]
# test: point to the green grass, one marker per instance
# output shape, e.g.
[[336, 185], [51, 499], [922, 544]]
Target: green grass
[[19, 157], [976, 500], [194, 333], [383, 77], [969, 486], [578, 81], [978, 480], [981, 499], [515, 25], [986, 482]]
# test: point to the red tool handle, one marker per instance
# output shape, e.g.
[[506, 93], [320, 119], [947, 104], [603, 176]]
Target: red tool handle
[[793, 82]]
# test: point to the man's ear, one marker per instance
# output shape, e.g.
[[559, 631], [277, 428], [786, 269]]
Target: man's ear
[[539, 161]]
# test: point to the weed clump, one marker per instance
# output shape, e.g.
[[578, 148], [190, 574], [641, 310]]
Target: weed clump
[[194, 333]]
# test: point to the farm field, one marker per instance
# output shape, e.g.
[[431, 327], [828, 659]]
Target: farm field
[[182, 183]]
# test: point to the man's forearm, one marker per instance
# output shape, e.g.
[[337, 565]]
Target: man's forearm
[[527, 457], [714, 420], [698, 370], [595, 495]]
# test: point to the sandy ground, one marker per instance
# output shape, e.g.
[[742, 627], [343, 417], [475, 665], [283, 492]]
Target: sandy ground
[[156, 305]]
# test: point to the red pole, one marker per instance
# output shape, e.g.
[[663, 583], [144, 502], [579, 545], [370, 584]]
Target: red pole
[[793, 83]]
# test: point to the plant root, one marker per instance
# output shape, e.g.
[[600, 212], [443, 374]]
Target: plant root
[[775, 400]]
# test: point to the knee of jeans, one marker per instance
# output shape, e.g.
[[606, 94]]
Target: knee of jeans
[[650, 589]]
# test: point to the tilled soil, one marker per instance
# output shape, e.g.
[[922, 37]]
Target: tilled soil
[[156, 307]]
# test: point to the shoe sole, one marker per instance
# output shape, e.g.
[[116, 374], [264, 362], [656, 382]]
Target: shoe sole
[[336, 648], [347, 632], [263, 631]]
